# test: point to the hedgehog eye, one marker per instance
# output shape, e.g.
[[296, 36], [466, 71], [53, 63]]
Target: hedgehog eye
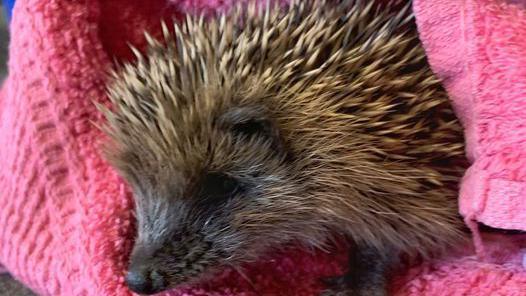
[[252, 127], [218, 186]]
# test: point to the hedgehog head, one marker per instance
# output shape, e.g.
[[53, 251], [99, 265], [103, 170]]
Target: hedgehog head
[[215, 184]]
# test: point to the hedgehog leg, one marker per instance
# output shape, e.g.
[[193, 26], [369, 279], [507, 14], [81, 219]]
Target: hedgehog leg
[[366, 276]]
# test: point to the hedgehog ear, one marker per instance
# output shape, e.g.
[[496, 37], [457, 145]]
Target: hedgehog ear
[[252, 127], [248, 122]]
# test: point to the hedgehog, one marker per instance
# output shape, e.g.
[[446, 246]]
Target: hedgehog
[[271, 125]]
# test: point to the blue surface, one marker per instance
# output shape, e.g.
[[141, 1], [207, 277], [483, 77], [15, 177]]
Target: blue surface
[[8, 5]]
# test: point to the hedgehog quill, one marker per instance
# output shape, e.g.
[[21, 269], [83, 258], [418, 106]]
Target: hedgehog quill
[[267, 126]]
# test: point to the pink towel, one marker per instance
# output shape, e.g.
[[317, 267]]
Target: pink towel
[[478, 47], [65, 215]]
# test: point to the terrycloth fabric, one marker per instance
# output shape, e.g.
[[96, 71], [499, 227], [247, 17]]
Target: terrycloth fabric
[[478, 47], [65, 216]]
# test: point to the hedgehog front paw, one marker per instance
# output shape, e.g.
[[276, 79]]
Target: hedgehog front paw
[[335, 286], [352, 292], [340, 286]]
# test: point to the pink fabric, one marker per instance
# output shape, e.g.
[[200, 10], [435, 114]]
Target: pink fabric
[[65, 215], [479, 48]]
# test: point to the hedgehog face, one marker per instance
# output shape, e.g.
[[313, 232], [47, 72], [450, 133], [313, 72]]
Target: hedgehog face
[[218, 195]]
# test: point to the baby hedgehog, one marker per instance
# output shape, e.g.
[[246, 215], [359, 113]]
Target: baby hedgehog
[[273, 125]]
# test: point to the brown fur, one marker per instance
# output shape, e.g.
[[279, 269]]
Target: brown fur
[[359, 137]]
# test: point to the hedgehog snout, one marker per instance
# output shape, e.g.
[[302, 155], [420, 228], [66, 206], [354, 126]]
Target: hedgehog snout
[[144, 280], [144, 275], [155, 267]]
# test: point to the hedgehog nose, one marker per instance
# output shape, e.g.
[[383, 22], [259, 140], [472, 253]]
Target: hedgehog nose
[[144, 281]]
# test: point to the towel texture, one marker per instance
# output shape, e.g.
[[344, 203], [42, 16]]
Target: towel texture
[[65, 216], [478, 48]]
